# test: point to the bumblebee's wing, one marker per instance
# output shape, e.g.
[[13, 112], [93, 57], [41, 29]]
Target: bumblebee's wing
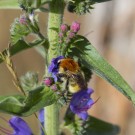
[[77, 78]]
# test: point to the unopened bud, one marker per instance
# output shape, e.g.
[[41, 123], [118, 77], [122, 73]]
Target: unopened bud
[[60, 34], [54, 87], [75, 27], [48, 81], [23, 20], [71, 35], [63, 27]]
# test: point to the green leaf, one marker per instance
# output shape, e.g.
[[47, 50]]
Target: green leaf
[[99, 1], [72, 123], [18, 30], [90, 58], [87, 73], [46, 1], [23, 26], [40, 50], [4, 4], [21, 45], [32, 4], [42, 9], [24, 106], [96, 126], [82, 7], [92, 126], [29, 81]]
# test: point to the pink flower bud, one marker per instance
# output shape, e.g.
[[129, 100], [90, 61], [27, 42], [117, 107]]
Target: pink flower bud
[[71, 35], [54, 87], [60, 34], [75, 27], [63, 27], [23, 20], [48, 81]]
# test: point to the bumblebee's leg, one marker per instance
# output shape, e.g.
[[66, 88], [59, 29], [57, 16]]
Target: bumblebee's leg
[[61, 77], [69, 96], [63, 80]]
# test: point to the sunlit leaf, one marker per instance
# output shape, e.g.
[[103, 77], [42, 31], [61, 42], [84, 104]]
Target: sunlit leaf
[[18, 30], [40, 50], [29, 81], [99, 1], [91, 58], [21, 45], [24, 106]]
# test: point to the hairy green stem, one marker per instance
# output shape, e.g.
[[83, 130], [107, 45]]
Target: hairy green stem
[[54, 22]]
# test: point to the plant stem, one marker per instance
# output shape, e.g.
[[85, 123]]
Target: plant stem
[[54, 22]]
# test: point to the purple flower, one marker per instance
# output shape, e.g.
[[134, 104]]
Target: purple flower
[[75, 27], [41, 118], [63, 27], [53, 67], [81, 102], [20, 126], [48, 81]]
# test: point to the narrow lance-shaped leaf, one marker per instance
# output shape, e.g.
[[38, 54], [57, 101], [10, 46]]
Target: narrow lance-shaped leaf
[[21, 45], [99, 1], [90, 58], [96, 126], [24, 106]]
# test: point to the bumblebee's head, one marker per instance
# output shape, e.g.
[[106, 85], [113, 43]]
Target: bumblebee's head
[[68, 64]]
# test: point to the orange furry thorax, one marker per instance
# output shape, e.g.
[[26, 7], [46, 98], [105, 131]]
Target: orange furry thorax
[[69, 64]]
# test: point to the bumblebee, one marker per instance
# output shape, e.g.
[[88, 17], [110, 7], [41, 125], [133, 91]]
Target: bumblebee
[[70, 74]]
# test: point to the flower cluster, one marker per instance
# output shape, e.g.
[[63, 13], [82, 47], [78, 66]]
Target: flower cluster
[[68, 32], [19, 28], [81, 101], [80, 7]]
